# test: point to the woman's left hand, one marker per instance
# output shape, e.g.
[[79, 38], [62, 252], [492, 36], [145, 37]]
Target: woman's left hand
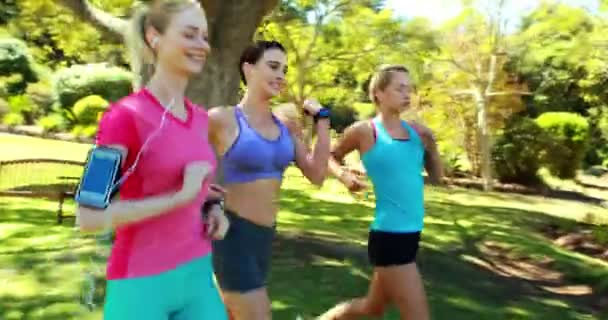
[[312, 106], [216, 191], [217, 223]]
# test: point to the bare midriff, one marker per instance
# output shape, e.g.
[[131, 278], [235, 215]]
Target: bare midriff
[[256, 201]]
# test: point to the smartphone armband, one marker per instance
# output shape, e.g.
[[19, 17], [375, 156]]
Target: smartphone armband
[[98, 182]]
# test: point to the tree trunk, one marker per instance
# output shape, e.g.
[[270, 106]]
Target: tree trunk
[[484, 139], [471, 145], [232, 24]]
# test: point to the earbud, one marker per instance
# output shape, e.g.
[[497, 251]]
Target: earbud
[[154, 42]]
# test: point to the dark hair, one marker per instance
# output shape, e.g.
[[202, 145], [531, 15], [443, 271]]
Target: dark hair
[[254, 52]]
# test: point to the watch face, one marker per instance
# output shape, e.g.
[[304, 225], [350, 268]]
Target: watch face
[[323, 113]]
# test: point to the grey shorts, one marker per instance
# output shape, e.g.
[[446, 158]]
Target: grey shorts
[[241, 260]]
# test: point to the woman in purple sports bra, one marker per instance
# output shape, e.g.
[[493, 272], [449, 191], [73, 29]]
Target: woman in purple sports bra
[[255, 149]]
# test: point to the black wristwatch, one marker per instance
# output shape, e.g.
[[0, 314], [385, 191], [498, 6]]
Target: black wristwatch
[[322, 114], [208, 205]]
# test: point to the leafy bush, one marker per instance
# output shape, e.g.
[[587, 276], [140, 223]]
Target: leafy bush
[[23, 105], [4, 109], [79, 81], [341, 117], [52, 123], [597, 153], [452, 164], [571, 131], [12, 85], [520, 151], [87, 109], [87, 131], [13, 119], [77, 130], [15, 58], [41, 94], [364, 110], [600, 233], [8, 10]]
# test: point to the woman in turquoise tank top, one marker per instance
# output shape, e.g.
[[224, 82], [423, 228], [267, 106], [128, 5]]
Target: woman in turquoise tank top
[[394, 154]]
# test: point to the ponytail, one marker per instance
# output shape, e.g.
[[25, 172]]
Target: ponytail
[[140, 52]]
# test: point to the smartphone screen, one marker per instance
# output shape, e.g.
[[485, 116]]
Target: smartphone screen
[[99, 175]]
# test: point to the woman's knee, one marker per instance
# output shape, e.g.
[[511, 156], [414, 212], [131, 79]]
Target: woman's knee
[[254, 305], [373, 308], [251, 313], [406, 291], [259, 310], [364, 307]]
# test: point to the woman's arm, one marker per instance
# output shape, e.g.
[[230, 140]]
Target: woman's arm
[[432, 162], [349, 142], [432, 159], [217, 123], [116, 130], [314, 165], [122, 212]]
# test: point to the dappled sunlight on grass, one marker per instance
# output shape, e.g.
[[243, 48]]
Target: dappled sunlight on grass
[[468, 235], [459, 224], [574, 184], [555, 207], [46, 262]]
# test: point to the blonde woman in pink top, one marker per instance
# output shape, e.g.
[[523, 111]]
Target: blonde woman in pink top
[[160, 265]]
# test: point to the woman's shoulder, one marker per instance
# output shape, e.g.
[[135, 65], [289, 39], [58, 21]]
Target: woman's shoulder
[[221, 114], [121, 110], [128, 105]]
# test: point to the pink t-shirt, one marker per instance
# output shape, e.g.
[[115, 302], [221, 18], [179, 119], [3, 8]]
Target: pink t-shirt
[[161, 243]]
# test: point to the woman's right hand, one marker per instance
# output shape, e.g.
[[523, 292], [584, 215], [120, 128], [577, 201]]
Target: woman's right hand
[[194, 175], [353, 180]]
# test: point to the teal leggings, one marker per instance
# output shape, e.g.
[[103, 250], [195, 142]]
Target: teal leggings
[[187, 292]]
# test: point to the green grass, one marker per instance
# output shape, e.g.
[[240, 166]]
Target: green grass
[[41, 263], [24, 147], [575, 185], [459, 224]]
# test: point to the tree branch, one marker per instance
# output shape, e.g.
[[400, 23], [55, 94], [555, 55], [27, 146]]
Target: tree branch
[[115, 27], [317, 31], [320, 85], [344, 55], [290, 43], [457, 64], [319, 24], [507, 93], [491, 74], [466, 92]]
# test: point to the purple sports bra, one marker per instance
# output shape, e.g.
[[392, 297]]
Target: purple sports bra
[[252, 157]]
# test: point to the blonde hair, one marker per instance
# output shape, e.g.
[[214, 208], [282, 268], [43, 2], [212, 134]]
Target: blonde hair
[[382, 78], [157, 15]]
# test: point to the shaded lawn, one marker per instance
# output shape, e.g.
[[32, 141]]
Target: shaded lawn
[[43, 277]]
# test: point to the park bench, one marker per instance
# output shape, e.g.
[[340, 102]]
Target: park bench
[[41, 178]]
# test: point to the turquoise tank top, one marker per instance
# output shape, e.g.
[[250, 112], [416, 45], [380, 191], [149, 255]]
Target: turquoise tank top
[[395, 168]]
